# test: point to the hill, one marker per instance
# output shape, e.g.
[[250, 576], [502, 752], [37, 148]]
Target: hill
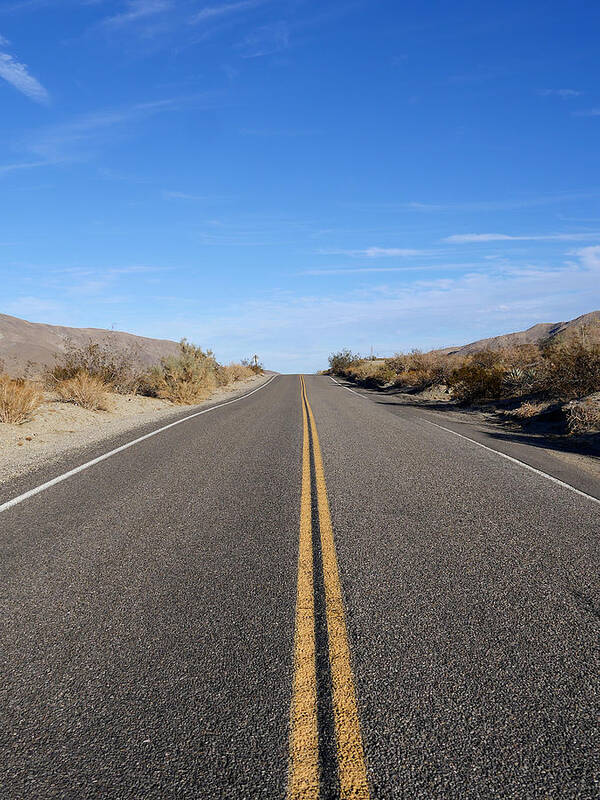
[[22, 342], [534, 335]]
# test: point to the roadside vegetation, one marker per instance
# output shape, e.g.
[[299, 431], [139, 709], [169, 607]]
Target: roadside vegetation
[[85, 390], [19, 399], [559, 378], [87, 377]]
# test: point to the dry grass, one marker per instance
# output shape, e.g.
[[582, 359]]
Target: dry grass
[[85, 390], [529, 410], [231, 373], [584, 416], [19, 398]]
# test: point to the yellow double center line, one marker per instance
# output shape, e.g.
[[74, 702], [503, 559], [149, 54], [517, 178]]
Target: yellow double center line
[[304, 778]]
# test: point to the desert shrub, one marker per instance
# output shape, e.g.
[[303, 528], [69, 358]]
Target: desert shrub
[[186, 378], [477, 379], [85, 390], [521, 369], [341, 361], [397, 363], [418, 370], [383, 375], [583, 416], [253, 364], [233, 372], [369, 373], [118, 368], [19, 398], [570, 368]]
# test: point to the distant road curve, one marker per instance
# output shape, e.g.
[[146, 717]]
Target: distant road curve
[[301, 595]]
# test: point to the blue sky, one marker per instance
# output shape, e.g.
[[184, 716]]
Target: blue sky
[[289, 177]]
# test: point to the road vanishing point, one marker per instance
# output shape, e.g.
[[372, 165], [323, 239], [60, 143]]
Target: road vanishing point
[[303, 593]]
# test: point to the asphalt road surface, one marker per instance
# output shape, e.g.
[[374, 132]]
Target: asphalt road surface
[[302, 594]]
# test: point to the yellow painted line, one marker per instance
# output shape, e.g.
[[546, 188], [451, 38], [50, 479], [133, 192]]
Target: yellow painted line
[[351, 757], [303, 781]]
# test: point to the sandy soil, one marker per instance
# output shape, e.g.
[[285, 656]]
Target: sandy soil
[[58, 427]]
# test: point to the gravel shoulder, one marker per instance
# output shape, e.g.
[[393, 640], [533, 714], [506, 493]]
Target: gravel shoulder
[[60, 428]]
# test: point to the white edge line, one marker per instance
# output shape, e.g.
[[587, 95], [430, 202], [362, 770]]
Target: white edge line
[[362, 396], [497, 452], [516, 461], [26, 495]]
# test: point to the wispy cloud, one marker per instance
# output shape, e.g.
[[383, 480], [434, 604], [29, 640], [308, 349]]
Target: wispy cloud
[[374, 252], [29, 306], [375, 270], [198, 198], [18, 75], [5, 169], [274, 132], [589, 257], [136, 11], [477, 205], [466, 238], [79, 138], [590, 112], [225, 10], [265, 40], [564, 93]]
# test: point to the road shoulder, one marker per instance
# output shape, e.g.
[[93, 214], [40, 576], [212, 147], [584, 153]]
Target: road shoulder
[[562, 457], [66, 432]]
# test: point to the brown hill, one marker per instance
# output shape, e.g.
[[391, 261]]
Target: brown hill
[[22, 342], [534, 335]]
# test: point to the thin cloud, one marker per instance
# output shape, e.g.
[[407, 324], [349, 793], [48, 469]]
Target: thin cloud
[[265, 41], [137, 10], [73, 140], [18, 75], [360, 270], [6, 168], [589, 257], [374, 252], [563, 93], [476, 205], [469, 238], [224, 10], [591, 112], [198, 198]]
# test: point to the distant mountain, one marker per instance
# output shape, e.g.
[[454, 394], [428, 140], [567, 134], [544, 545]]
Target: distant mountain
[[534, 335], [22, 342]]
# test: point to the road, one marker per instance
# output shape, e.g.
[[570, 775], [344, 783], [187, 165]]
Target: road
[[302, 594]]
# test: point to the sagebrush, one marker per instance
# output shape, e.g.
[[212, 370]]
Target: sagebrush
[[118, 368]]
